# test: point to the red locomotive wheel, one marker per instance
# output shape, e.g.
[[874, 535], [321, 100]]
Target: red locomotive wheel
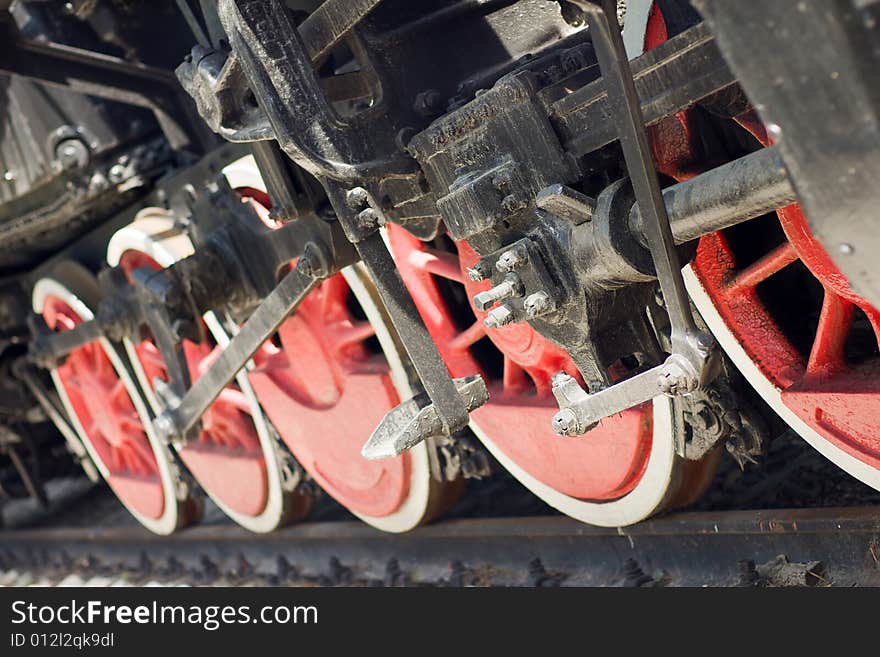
[[234, 457], [820, 372], [106, 410], [619, 473], [327, 380], [326, 391]]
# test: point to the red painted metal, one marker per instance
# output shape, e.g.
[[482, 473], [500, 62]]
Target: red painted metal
[[839, 400], [326, 391], [605, 464], [108, 417], [226, 458]]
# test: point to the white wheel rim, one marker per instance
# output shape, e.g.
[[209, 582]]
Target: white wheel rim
[[767, 390], [412, 511], [243, 173], [648, 496], [168, 521], [154, 233]]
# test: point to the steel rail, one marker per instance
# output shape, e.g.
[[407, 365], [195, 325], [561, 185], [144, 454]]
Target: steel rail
[[831, 546]]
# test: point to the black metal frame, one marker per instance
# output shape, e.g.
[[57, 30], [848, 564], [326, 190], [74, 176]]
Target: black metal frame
[[820, 99], [110, 78], [496, 171]]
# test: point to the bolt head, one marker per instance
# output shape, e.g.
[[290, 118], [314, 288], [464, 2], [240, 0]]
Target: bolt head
[[72, 154], [183, 329], [164, 427], [537, 304], [498, 317], [502, 180], [565, 422], [356, 198], [368, 219], [705, 341], [478, 272], [484, 300], [510, 260], [116, 173], [510, 204]]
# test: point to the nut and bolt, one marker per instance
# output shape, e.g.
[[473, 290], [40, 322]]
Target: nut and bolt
[[71, 154], [428, 103], [675, 381], [116, 173], [704, 418], [164, 427], [498, 317], [510, 204], [184, 329], [511, 286], [705, 341], [561, 378], [511, 259], [502, 180], [356, 198], [478, 272], [369, 219], [565, 422], [537, 304]]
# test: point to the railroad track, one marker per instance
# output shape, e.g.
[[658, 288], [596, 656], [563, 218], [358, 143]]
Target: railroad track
[[779, 547]]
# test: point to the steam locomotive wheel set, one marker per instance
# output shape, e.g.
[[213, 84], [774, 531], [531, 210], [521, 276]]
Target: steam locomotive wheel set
[[589, 246]]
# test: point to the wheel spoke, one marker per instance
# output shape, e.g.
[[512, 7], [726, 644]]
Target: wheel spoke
[[472, 334], [117, 389], [349, 333], [99, 360], [760, 271], [234, 398], [150, 357], [131, 422], [117, 461], [140, 456], [514, 378], [873, 316], [835, 320], [439, 263], [220, 434]]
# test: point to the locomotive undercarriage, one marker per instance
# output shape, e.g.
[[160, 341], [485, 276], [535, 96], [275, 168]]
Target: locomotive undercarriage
[[397, 254]]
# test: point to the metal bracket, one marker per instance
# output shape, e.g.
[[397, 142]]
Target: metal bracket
[[408, 424], [685, 369]]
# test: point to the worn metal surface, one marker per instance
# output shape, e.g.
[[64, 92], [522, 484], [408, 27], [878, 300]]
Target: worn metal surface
[[668, 79], [822, 106], [107, 77]]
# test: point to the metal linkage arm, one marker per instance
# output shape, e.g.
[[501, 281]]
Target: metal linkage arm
[[748, 187], [684, 370], [47, 347], [451, 409], [446, 406], [175, 423]]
